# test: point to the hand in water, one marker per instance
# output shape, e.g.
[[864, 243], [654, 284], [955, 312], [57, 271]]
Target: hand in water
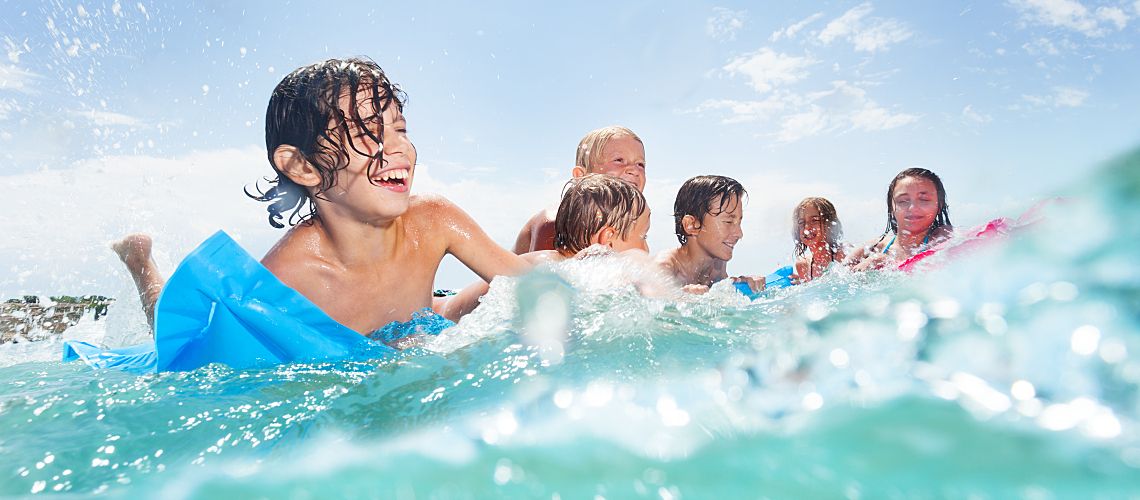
[[756, 283], [695, 289], [872, 262]]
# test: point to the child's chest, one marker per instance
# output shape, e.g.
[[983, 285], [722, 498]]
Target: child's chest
[[367, 299]]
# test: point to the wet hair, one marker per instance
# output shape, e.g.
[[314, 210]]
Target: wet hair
[[591, 203], [943, 217], [304, 112], [829, 219], [591, 146], [696, 198]]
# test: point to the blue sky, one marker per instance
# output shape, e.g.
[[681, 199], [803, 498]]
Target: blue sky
[[158, 108]]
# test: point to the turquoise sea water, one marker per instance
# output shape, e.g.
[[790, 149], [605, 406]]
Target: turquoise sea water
[[1009, 372]]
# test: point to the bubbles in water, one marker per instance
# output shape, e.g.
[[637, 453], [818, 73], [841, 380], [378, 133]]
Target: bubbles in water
[[1085, 340]]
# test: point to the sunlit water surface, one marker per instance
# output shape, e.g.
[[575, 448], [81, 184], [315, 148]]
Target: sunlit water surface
[[1011, 372]]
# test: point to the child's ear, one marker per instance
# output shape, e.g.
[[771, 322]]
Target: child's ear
[[606, 236], [578, 171], [293, 164], [691, 225]]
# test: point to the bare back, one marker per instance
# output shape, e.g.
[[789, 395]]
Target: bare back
[[537, 234]]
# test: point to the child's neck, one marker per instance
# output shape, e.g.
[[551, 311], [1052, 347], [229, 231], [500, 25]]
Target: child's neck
[[698, 267], [355, 243]]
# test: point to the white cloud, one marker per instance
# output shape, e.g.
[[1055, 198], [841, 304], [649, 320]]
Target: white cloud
[[867, 34], [1040, 45], [844, 106], [844, 25], [1114, 15], [766, 68], [1069, 97], [108, 118], [801, 125], [744, 111], [1062, 97], [850, 105], [971, 115], [724, 23], [791, 31], [880, 35], [16, 78], [1071, 14], [873, 117]]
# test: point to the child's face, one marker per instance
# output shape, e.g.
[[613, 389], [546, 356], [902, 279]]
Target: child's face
[[637, 238], [623, 157], [386, 194], [914, 203], [719, 232], [811, 224]]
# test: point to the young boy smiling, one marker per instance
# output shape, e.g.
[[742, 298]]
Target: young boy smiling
[[361, 248], [707, 215]]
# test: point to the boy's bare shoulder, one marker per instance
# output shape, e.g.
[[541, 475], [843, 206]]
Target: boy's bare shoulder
[[667, 259], [430, 201], [291, 259], [543, 257], [431, 209]]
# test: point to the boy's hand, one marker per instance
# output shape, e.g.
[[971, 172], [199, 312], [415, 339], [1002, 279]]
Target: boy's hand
[[695, 289], [756, 283]]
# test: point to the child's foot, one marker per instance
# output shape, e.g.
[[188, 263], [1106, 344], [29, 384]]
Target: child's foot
[[133, 249]]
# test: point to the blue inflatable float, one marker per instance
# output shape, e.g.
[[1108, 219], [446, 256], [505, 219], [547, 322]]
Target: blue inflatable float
[[222, 306], [780, 278]]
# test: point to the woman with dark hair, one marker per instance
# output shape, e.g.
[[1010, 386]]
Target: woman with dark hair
[[918, 217]]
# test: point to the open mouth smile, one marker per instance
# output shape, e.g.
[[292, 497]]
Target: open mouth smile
[[395, 179]]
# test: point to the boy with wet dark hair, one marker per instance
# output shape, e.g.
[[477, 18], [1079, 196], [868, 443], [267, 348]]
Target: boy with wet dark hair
[[362, 251], [707, 215]]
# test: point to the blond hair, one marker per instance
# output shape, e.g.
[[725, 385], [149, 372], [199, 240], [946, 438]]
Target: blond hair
[[591, 146], [591, 203]]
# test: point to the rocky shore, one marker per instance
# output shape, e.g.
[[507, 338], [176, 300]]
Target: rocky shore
[[35, 318]]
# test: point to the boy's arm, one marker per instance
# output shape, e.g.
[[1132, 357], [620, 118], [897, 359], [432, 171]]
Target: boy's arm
[[471, 245]]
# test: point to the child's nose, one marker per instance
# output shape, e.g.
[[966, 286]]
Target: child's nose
[[398, 143]]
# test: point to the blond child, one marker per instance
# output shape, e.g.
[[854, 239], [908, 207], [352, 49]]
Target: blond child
[[614, 151], [598, 214]]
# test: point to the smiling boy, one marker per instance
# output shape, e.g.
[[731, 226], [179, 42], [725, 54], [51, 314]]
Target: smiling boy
[[707, 215], [362, 249]]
